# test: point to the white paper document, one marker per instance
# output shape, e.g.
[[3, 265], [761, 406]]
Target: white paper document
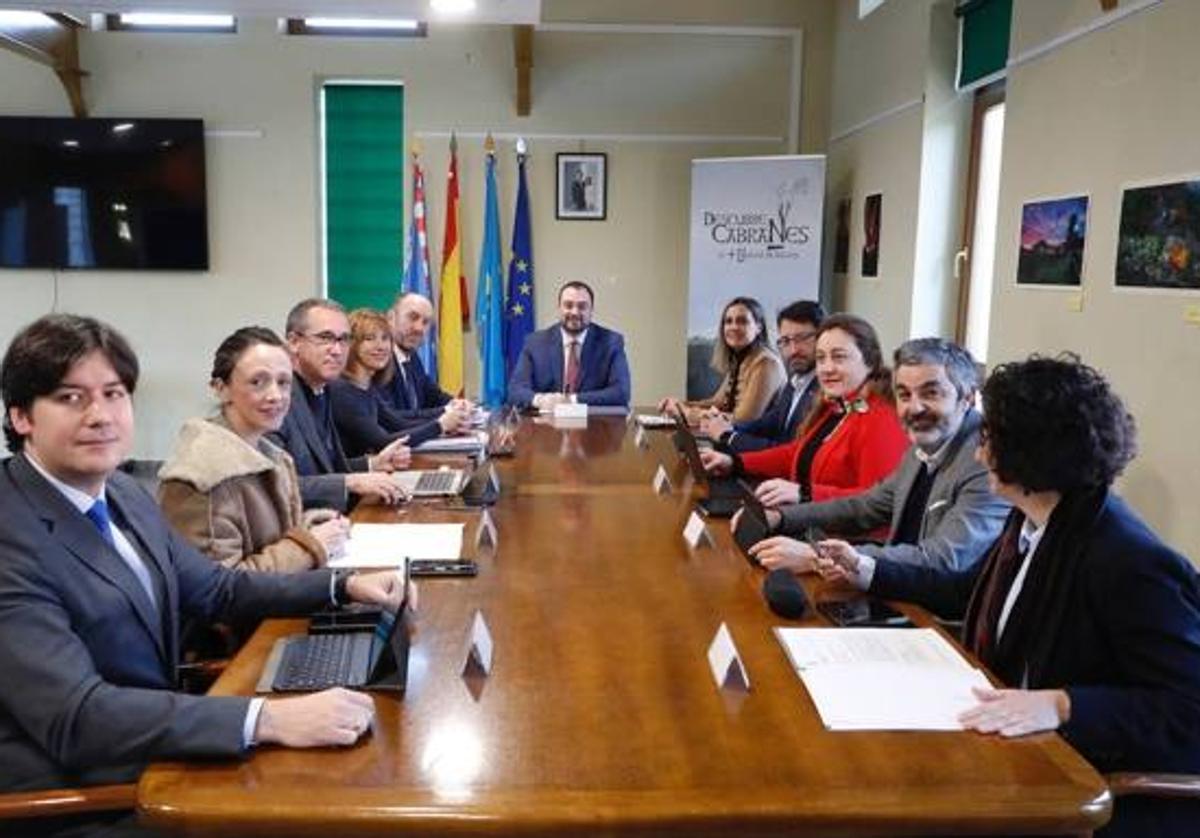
[[466, 443], [882, 678], [387, 545]]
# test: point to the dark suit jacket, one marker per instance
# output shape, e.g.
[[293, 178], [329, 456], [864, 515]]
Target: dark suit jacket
[[87, 692], [322, 477], [365, 425], [430, 398], [605, 370], [1128, 652], [774, 426], [960, 521]]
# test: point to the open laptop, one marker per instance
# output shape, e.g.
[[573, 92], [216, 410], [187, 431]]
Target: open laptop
[[431, 483], [725, 494], [375, 658]]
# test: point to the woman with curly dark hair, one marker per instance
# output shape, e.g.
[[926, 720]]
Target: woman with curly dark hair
[[1091, 620]]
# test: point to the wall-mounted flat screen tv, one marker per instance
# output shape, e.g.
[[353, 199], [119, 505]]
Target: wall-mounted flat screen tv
[[120, 194]]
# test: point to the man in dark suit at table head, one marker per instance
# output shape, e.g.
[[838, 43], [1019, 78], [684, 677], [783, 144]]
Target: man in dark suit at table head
[[412, 395], [797, 324], [572, 361], [318, 340], [937, 501], [93, 583]]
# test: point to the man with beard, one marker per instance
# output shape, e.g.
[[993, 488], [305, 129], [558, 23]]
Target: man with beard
[[411, 402], [937, 501], [573, 361], [797, 323]]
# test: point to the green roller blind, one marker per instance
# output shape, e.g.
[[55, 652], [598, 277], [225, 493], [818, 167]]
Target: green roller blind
[[984, 27], [364, 192]]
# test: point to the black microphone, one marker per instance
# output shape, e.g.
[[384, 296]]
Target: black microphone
[[784, 594]]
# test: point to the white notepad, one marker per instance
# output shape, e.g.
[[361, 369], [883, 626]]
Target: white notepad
[[387, 545], [882, 678]]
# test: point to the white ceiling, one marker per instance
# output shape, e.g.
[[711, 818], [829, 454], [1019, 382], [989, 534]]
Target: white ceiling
[[487, 11]]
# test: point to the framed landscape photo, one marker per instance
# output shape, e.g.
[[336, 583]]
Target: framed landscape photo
[[582, 187], [1053, 235]]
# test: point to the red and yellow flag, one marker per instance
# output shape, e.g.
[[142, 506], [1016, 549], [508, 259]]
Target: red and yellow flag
[[452, 299]]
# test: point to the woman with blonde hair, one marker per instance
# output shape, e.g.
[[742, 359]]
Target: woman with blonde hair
[[365, 423]]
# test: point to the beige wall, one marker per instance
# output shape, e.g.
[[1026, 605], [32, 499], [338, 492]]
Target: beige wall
[[1105, 110], [882, 71], [1101, 112], [263, 189]]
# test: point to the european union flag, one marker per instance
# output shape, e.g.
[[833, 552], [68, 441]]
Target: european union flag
[[518, 311]]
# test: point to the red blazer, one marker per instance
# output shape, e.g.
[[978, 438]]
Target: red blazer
[[863, 449]]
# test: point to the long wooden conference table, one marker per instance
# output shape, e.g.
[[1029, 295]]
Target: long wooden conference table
[[600, 715]]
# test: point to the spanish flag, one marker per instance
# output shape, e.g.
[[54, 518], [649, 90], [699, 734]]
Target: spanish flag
[[452, 297]]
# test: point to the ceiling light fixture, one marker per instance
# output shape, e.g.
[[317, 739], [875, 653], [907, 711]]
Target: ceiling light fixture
[[452, 7], [170, 20], [376, 23]]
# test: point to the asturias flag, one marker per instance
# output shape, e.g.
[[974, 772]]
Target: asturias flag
[[489, 294], [451, 309], [518, 311]]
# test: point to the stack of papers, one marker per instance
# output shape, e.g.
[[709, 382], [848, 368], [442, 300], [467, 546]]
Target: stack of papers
[[388, 545], [465, 444], [882, 678], [655, 420]]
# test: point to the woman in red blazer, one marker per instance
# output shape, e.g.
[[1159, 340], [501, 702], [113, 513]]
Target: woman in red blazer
[[852, 438]]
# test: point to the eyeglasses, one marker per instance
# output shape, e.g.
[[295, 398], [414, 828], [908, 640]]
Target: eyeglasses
[[328, 339], [784, 341]]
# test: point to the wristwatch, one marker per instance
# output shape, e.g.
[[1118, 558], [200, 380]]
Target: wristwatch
[[341, 580]]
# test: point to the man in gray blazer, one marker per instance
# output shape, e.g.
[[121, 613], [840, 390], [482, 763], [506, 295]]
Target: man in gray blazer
[[936, 502], [93, 583]]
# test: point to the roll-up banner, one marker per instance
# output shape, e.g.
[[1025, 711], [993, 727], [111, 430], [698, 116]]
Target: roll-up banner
[[755, 232]]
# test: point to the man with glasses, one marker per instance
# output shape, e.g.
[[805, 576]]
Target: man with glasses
[[937, 501], [318, 341], [797, 324]]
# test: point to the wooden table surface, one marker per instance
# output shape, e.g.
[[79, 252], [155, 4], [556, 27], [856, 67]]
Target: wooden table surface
[[600, 715]]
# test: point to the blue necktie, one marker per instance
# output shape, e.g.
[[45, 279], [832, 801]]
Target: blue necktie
[[98, 515]]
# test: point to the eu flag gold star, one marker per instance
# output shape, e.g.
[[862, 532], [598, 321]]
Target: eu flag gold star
[[525, 288]]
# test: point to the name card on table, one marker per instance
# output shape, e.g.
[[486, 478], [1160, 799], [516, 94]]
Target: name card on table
[[485, 533], [570, 410], [726, 664], [662, 483], [639, 437], [695, 532], [493, 478], [479, 652]]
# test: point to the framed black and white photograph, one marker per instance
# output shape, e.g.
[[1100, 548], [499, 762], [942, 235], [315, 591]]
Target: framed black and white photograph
[[582, 187]]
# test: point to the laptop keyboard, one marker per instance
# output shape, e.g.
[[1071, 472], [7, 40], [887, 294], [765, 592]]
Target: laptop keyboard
[[433, 482], [316, 662]]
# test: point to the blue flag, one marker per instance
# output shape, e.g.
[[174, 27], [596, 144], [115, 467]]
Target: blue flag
[[416, 275], [518, 313], [489, 298]]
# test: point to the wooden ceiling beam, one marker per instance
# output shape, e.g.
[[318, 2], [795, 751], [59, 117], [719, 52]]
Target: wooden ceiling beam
[[523, 58], [55, 44]]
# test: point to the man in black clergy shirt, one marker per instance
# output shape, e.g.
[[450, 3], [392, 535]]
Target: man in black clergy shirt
[[93, 585]]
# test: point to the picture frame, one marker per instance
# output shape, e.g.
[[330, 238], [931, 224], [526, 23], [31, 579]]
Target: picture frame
[[1053, 242], [581, 186]]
